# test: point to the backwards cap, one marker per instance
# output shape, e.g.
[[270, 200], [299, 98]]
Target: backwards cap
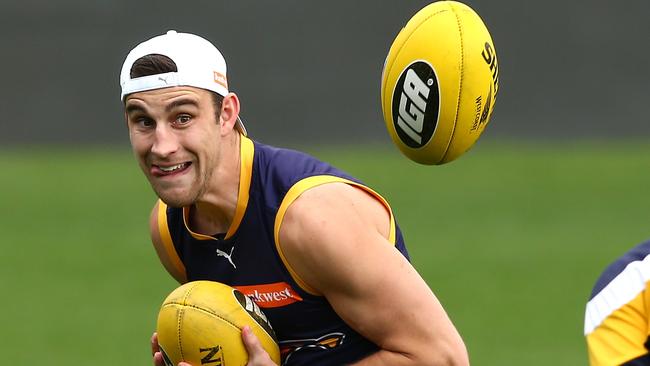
[[199, 64]]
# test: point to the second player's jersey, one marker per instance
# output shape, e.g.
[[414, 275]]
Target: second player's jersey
[[617, 326], [249, 257]]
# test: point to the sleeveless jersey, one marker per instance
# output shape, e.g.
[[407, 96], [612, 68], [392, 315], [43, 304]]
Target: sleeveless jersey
[[250, 258], [617, 323]]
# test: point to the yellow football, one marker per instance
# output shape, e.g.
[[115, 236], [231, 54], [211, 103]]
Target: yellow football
[[439, 83], [200, 322]]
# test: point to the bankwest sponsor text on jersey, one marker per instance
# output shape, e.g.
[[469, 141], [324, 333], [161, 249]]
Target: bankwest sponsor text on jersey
[[271, 295]]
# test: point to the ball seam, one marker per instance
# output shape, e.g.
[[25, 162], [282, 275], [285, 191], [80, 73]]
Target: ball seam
[[178, 331], [411, 35], [203, 310], [397, 52], [460, 82], [180, 320]]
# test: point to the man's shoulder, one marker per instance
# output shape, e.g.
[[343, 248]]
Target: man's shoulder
[[289, 166], [281, 155]]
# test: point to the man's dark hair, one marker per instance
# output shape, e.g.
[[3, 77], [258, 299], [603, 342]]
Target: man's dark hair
[[154, 64]]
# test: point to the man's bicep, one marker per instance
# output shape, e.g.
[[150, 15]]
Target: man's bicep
[[369, 283], [390, 304]]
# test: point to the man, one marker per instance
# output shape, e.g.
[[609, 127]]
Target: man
[[316, 249], [617, 317]]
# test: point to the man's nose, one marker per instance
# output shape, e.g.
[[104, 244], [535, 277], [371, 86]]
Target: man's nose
[[165, 141]]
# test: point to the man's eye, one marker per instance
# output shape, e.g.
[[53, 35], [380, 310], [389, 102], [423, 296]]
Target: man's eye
[[145, 122], [183, 119]]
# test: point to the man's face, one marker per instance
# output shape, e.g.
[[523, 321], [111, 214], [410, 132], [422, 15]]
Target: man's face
[[175, 137]]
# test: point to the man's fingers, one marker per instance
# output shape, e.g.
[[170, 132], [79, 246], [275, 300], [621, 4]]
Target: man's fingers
[[154, 343], [155, 351], [251, 342], [158, 359], [257, 355]]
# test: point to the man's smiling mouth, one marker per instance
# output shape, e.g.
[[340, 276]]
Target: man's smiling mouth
[[160, 170]]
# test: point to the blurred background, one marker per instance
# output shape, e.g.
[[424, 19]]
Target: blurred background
[[511, 237], [310, 71]]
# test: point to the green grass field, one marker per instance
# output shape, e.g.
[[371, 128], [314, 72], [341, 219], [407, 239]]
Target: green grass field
[[510, 237]]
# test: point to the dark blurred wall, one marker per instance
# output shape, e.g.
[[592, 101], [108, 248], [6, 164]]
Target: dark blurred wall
[[310, 71]]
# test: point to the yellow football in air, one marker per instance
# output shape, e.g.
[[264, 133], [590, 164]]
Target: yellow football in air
[[439, 83]]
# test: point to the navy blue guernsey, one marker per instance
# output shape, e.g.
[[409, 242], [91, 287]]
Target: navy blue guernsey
[[250, 258]]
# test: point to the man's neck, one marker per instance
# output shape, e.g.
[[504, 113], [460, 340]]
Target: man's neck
[[214, 213]]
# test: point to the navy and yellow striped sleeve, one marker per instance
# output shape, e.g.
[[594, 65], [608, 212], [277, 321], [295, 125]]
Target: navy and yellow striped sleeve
[[616, 316]]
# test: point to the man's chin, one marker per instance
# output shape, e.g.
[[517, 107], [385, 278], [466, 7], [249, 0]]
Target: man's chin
[[175, 203], [174, 199]]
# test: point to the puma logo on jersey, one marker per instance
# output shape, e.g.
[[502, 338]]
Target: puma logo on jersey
[[221, 253]]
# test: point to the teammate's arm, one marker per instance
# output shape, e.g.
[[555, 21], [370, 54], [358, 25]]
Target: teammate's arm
[[334, 237], [621, 338]]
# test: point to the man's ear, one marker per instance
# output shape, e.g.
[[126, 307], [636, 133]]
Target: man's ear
[[229, 112]]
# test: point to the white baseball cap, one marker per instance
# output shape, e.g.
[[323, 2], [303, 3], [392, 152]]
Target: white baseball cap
[[199, 64]]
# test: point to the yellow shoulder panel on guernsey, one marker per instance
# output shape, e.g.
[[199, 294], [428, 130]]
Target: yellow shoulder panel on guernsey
[[299, 188], [168, 248]]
